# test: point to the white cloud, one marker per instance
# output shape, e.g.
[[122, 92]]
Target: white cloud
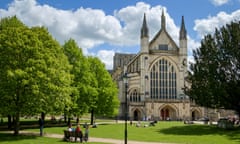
[[106, 57], [89, 27], [208, 25], [219, 2], [92, 27], [132, 17]]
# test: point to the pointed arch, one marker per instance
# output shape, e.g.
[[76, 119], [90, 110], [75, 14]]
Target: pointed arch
[[137, 114], [163, 79], [196, 113], [168, 112]]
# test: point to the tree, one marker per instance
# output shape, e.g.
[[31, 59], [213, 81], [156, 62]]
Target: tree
[[94, 89], [215, 75], [106, 102], [35, 74], [82, 77]]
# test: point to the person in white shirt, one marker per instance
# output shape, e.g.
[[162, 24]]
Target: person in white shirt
[[70, 127]]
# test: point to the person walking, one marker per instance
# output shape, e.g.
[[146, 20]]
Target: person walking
[[86, 133], [40, 121]]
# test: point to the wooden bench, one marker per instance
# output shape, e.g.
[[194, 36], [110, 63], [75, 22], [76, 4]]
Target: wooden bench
[[72, 135]]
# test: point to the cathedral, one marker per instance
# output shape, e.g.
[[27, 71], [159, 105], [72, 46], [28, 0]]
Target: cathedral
[[156, 78]]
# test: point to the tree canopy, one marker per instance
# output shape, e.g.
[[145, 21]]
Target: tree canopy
[[95, 89], [215, 75], [107, 102], [82, 78], [35, 74], [38, 75]]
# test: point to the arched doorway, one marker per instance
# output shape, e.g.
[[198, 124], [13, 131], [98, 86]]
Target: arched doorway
[[136, 115], [195, 115], [168, 113], [165, 114]]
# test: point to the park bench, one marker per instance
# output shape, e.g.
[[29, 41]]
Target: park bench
[[72, 135]]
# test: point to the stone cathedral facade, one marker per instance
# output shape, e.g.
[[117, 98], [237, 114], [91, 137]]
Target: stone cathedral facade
[[156, 78]]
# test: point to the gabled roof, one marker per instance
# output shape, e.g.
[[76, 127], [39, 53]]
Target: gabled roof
[[163, 31]]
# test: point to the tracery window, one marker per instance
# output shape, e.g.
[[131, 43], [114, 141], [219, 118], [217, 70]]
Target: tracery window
[[163, 83], [135, 96]]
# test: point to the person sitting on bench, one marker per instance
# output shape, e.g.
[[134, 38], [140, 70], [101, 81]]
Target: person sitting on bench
[[78, 133]]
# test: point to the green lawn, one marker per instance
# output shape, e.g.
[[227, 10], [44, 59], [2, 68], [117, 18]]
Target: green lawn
[[172, 132], [21, 139]]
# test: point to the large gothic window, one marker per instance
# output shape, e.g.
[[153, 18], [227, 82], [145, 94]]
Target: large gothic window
[[163, 83]]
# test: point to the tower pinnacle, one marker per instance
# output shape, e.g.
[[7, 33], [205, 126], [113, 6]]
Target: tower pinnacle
[[183, 32], [163, 21], [144, 29]]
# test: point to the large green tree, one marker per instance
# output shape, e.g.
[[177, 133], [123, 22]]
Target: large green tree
[[82, 78], [215, 75], [35, 74], [106, 102], [94, 89]]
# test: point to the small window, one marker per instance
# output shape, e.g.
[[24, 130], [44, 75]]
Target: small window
[[163, 47]]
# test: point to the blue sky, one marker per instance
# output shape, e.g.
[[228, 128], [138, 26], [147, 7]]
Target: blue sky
[[104, 27]]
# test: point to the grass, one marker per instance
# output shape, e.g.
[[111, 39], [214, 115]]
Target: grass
[[6, 138], [172, 132]]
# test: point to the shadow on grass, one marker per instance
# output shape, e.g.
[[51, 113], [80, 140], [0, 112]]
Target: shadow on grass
[[198, 130], [32, 138], [10, 137]]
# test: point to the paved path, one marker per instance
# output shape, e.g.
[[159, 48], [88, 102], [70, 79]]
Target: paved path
[[91, 139], [106, 140]]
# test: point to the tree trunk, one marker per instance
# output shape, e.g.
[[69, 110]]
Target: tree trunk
[[65, 118], [16, 116], [16, 121], [43, 116], [77, 120], [69, 120], [238, 110], [92, 114], [9, 122]]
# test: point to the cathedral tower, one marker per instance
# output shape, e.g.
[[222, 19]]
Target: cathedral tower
[[183, 52], [156, 77], [143, 56]]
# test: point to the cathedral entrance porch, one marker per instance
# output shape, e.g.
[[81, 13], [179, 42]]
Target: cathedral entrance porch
[[168, 113]]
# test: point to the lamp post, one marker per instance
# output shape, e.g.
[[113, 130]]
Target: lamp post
[[125, 81], [181, 97]]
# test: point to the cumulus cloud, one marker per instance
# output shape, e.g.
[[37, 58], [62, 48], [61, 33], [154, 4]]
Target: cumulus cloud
[[208, 25], [106, 57], [132, 17], [219, 2], [89, 27], [92, 27]]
